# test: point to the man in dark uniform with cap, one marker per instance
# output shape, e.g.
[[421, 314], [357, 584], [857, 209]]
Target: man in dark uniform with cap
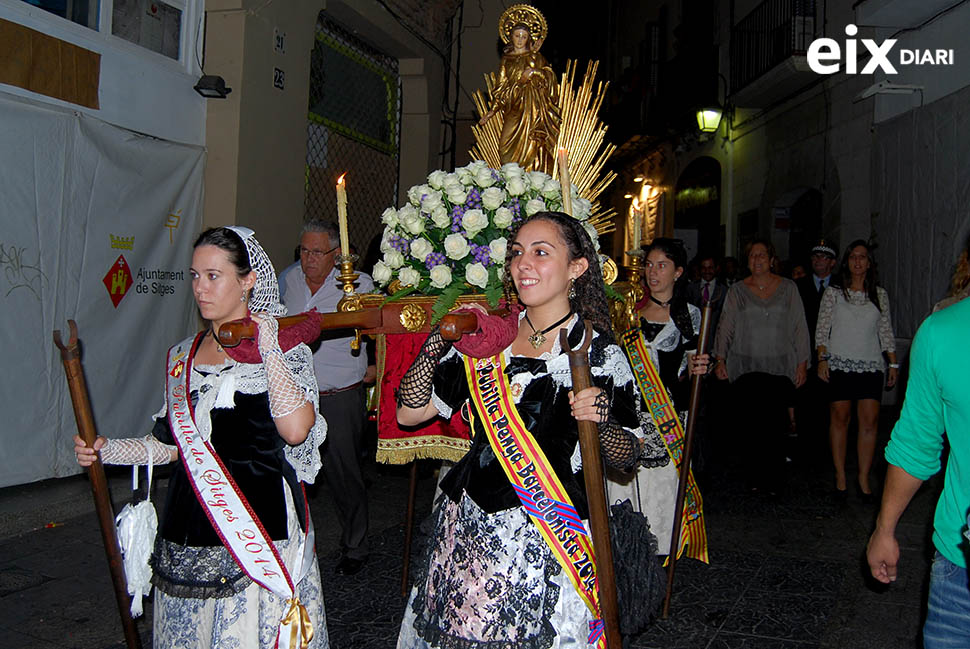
[[812, 286], [813, 403]]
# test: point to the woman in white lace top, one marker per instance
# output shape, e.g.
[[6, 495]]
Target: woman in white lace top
[[852, 336]]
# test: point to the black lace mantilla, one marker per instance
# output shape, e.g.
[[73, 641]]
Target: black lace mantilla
[[464, 543]]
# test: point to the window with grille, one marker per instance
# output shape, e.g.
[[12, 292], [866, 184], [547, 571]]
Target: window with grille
[[353, 128]]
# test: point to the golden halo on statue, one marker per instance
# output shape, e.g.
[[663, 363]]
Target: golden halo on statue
[[522, 15], [609, 269]]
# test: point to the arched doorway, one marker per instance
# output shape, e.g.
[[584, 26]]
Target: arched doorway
[[697, 207]]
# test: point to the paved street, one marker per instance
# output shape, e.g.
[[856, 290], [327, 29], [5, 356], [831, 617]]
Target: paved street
[[786, 571]]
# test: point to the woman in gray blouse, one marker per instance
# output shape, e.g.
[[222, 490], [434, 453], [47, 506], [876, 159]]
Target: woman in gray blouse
[[852, 334], [762, 346]]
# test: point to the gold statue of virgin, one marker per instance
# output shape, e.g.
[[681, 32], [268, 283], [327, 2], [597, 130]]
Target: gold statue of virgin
[[525, 93], [529, 115]]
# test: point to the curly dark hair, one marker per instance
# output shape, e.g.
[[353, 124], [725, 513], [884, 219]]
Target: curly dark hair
[[590, 301], [872, 276], [227, 240], [675, 252]]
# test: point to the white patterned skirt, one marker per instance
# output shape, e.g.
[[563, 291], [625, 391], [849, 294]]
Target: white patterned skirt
[[491, 580], [248, 619]]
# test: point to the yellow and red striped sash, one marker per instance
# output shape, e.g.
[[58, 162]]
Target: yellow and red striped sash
[[694, 534], [537, 485]]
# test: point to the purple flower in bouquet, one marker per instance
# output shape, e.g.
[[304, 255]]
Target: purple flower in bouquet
[[434, 259]]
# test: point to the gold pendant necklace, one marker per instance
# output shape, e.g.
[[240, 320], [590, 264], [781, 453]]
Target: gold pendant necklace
[[538, 338], [215, 340]]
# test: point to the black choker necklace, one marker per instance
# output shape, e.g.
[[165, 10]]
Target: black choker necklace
[[215, 339], [539, 337], [659, 303]]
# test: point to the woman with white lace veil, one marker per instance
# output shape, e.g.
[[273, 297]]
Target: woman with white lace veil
[[233, 566]]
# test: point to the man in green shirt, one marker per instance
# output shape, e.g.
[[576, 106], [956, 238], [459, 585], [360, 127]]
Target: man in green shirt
[[937, 401]]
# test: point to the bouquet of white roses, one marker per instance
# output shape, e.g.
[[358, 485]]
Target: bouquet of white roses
[[451, 237]]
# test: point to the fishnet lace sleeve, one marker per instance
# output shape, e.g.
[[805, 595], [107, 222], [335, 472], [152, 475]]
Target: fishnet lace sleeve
[[416, 385], [133, 450], [305, 457], [285, 396], [619, 446]]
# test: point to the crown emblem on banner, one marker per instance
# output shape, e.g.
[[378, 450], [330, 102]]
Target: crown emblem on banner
[[172, 223], [122, 243]]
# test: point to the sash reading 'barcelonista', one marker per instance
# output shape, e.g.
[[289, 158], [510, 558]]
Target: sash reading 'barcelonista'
[[535, 482], [693, 538], [224, 504]]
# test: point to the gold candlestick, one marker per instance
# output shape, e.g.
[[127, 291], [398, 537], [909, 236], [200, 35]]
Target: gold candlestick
[[351, 299], [634, 269], [623, 312]]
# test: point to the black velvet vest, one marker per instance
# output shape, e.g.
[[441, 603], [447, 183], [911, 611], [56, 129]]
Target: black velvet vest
[[246, 440], [544, 408]]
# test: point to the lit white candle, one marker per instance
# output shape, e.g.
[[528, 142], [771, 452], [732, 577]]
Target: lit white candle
[[564, 184], [342, 216], [637, 217]]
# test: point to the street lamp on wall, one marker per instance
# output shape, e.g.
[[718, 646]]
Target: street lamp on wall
[[709, 118]]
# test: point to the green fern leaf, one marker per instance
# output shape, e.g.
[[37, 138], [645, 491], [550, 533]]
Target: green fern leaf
[[444, 303]]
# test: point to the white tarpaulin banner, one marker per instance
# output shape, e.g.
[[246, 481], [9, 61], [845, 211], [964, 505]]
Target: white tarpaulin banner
[[921, 204], [98, 224]]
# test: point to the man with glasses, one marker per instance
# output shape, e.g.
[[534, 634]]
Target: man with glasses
[[812, 286], [340, 376]]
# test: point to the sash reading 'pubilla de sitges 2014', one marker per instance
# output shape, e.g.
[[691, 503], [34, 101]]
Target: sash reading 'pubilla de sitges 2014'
[[535, 482], [693, 538], [231, 516]]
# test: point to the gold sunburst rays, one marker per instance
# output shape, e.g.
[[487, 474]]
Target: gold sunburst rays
[[486, 147]]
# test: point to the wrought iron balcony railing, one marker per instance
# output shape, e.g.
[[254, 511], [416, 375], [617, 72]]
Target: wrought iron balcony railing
[[774, 31]]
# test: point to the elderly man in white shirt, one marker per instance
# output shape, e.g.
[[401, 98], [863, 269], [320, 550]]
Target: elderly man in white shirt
[[340, 376]]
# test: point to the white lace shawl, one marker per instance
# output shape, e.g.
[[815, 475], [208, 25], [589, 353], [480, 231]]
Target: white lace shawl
[[668, 338], [217, 386]]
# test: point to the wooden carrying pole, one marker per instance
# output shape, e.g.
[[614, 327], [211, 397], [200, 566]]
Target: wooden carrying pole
[[599, 520], [71, 356], [409, 526], [692, 410], [368, 320]]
